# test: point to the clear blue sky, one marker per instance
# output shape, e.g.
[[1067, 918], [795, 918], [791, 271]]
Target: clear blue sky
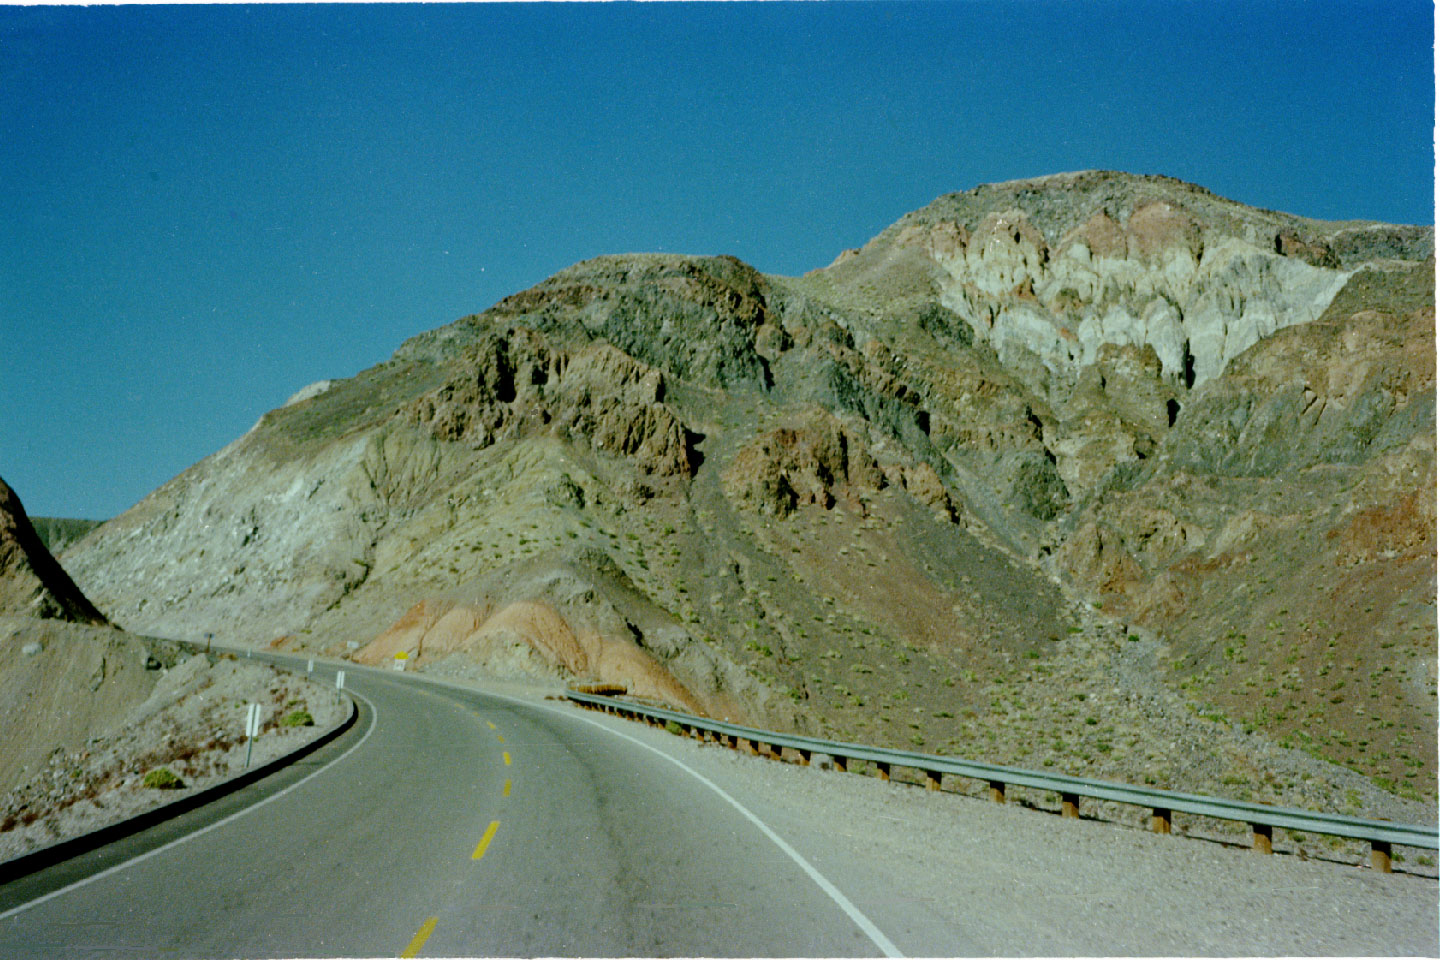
[[204, 208]]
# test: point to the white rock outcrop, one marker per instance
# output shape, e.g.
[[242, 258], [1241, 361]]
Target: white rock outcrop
[[1197, 297]]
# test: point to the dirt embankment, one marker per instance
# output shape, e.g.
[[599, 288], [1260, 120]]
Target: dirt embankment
[[90, 717]]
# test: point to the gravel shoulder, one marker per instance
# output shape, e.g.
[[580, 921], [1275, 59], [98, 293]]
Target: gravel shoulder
[[949, 874], [1008, 881]]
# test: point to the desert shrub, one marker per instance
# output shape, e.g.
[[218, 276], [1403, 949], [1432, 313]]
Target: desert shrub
[[299, 718], [162, 779]]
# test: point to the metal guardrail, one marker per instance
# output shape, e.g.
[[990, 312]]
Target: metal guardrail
[[1262, 818]]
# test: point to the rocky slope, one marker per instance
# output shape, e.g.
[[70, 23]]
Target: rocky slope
[[32, 584], [925, 496], [90, 716]]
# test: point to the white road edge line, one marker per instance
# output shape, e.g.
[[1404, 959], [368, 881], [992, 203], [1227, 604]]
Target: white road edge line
[[842, 901], [375, 722]]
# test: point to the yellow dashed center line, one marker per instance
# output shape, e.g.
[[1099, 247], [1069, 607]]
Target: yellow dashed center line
[[423, 934], [489, 724], [506, 791], [485, 840], [506, 755], [500, 737]]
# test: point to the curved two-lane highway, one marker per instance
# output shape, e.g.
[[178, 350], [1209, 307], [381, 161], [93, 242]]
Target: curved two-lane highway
[[450, 822]]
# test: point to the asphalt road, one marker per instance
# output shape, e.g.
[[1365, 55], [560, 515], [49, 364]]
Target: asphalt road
[[450, 823]]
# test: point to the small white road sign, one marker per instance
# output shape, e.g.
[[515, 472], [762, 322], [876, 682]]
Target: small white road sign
[[252, 720]]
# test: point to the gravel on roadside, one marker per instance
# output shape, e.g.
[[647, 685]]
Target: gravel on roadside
[[1009, 881]]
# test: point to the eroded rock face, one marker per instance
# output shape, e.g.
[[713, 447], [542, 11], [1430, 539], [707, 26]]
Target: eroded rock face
[[652, 307], [32, 583], [810, 463], [1347, 401], [1156, 279], [516, 385], [820, 462], [1289, 519]]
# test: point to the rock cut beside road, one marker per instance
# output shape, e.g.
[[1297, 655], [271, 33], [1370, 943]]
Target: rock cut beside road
[[98, 726]]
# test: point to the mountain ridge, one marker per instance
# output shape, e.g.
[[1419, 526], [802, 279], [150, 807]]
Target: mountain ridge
[[880, 501]]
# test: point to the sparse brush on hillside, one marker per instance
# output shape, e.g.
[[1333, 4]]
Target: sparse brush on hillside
[[924, 497]]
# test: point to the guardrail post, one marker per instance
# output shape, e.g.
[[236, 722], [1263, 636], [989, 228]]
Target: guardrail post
[[1069, 789]]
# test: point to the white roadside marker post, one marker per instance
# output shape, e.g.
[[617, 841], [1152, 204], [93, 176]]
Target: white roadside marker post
[[310, 665], [252, 730], [339, 679]]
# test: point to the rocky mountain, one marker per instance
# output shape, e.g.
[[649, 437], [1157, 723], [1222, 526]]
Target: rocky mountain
[[32, 584], [1096, 471]]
